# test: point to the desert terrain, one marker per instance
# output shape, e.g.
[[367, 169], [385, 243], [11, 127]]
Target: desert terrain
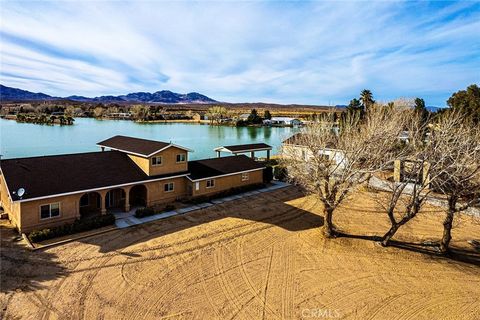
[[262, 257]]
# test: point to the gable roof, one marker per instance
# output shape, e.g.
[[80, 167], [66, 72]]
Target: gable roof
[[137, 146], [244, 147], [70, 173], [210, 168]]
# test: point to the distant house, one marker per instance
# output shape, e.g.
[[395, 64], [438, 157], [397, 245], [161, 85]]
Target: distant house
[[48, 191], [244, 116], [294, 147], [283, 121]]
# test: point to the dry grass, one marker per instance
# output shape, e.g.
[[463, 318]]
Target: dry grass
[[255, 258]]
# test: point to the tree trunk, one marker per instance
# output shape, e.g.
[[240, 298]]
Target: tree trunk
[[447, 229], [390, 233], [328, 224]]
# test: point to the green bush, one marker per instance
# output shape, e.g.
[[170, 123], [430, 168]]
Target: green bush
[[144, 212], [77, 226], [169, 207], [280, 173], [267, 174]]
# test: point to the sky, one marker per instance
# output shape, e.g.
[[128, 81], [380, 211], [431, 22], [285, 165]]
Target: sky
[[321, 53]]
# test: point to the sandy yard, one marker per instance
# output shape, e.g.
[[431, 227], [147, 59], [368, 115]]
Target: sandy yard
[[261, 257]]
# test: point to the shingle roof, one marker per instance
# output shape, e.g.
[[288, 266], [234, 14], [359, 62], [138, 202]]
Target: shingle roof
[[246, 147], [207, 168], [295, 139], [51, 175], [138, 146]]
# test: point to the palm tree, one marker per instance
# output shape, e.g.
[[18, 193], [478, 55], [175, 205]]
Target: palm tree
[[367, 98]]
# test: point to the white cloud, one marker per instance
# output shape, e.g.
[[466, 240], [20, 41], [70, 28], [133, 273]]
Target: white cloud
[[288, 52]]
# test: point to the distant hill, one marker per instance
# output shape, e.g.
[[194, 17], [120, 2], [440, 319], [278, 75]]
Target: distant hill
[[164, 96]]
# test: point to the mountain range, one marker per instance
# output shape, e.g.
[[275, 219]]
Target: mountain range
[[164, 96]]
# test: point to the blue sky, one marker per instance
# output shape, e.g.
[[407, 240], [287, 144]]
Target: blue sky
[[270, 51]]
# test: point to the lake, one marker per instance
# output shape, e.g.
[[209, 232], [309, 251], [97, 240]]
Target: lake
[[27, 140]]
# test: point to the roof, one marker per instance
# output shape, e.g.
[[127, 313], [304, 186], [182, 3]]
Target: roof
[[137, 146], [53, 175], [244, 147], [299, 139], [210, 168], [283, 119], [294, 139]]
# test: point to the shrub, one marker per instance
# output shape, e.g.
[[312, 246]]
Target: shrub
[[144, 212], [77, 226], [169, 207], [280, 173], [267, 174]]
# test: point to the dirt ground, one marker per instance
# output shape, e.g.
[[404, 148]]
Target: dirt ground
[[262, 257]]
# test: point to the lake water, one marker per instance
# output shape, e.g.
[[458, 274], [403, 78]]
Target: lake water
[[26, 140]]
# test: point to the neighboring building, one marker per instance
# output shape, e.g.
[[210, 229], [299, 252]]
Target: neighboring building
[[136, 172], [244, 116], [282, 121], [294, 147]]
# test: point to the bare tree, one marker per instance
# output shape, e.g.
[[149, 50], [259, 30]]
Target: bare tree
[[406, 195], [331, 162], [458, 167]]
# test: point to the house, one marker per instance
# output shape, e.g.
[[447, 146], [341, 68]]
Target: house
[[295, 147], [282, 121], [47, 191]]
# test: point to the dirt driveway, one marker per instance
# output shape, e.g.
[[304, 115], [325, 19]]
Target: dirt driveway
[[262, 257]]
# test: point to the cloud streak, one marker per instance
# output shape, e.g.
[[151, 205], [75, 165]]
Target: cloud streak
[[286, 52]]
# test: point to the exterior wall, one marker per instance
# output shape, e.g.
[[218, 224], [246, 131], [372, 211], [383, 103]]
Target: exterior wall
[[297, 152], [26, 215], [225, 183], [156, 193], [169, 162], [30, 212], [12, 209]]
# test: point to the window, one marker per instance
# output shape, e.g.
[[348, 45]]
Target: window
[[156, 161], [168, 187], [210, 183], [51, 210], [245, 176], [197, 186], [304, 155], [181, 157]]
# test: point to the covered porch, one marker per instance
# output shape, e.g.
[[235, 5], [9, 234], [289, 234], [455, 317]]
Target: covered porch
[[245, 148]]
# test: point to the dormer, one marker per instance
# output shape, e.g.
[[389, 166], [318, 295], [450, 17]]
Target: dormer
[[153, 157]]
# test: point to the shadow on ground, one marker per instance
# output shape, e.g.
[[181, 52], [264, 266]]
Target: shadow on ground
[[22, 269], [454, 255], [269, 209]]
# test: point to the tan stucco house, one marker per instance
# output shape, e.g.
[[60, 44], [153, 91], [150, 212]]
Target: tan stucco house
[[127, 172]]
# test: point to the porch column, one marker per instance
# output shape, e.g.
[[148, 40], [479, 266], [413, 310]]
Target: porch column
[[103, 209], [218, 154], [268, 154], [127, 199], [252, 154]]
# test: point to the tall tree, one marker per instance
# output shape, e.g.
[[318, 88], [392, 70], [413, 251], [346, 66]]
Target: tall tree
[[330, 163], [467, 102], [366, 97], [458, 170], [421, 110], [267, 115]]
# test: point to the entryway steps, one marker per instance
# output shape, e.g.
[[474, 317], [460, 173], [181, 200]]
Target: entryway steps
[[128, 219]]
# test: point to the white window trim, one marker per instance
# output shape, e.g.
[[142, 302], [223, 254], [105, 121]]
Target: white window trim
[[156, 165], [245, 176], [211, 186], [181, 154], [50, 210], [168, 183]]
